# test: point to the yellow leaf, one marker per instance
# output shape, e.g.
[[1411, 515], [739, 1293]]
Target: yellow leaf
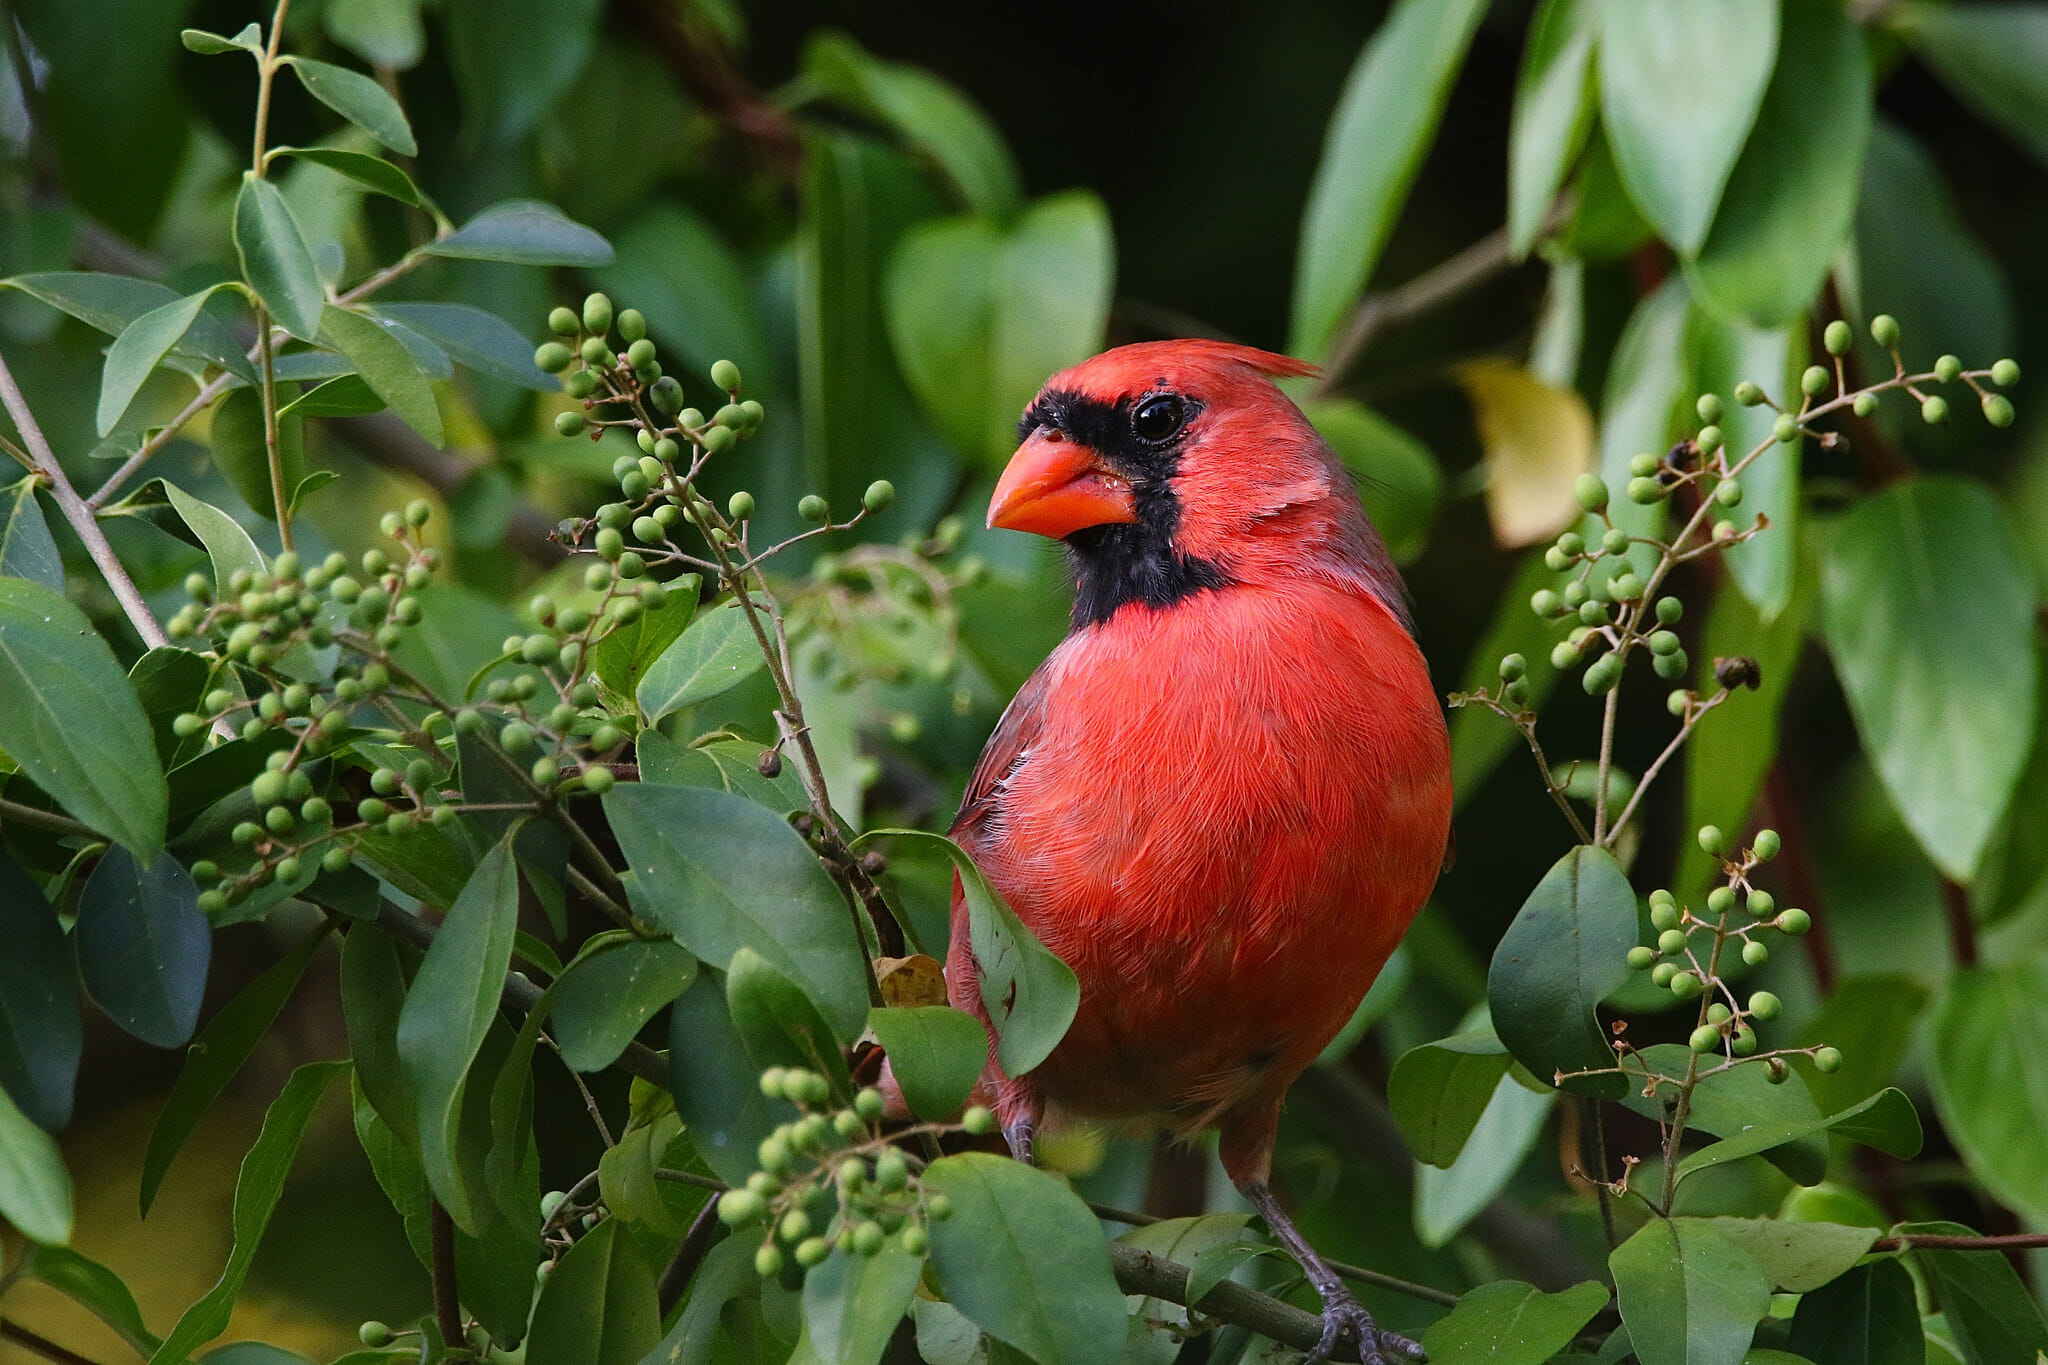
[[1536, 438]]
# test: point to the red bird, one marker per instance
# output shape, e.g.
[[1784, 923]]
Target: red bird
[[1225, 795]]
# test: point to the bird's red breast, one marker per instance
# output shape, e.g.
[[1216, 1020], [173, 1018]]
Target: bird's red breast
[[1223, 798]]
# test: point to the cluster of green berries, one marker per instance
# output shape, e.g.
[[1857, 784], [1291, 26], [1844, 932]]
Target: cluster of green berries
[[1609, 612], [830, 1179], [1884, 330]]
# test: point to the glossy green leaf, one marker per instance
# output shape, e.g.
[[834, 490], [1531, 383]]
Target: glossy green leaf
[[779, 1025], [726, 1281], [2016, 861], [387, 367], [1510, 1323], [1866, 1316], [1647, 384], [373, 171], [241, 450], [1565, 952], [1928, 613], [598, 1307], [1030, 995], [453, 1000], [137, 352], [513, 59], [384, 33], [206, 44], [1023, 1257], [1791, 199], [717, 1089], [721, 874], [603, 1000], [357, 98], [94, 1288], [227, 544], [715, 654], [112, 303], [251, 1353], [632, 1190], [732, 765], [1724, 354], [1706, 1312], [1554, 99], [373, 986], [143, 946], [1382, 125], [217, 1055], [853, 1303], [524, 232], [27, 550], [482, 341], [1870, 1019], [623, 654], [1796, 1257], [979, 314], [1994, 1319], [936, 1054], [1737, 1102], [1994, 58], [1448, 1199], [1675, 136], [35, 1189], [1212, 1246], [1398, 478], [40, 1036], [1438, 1091], [276, 261], [1990, 1075]]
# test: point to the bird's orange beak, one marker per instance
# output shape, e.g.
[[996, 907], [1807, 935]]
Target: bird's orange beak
[[1055, 487]]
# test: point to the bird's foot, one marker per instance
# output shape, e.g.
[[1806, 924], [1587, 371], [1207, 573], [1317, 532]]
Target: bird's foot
[[1345, 1318], [1019, 1135]]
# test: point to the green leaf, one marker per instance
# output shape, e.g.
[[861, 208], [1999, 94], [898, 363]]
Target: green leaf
[[345, 396], [1447, 1199], [1994, 58], [35, 1189], [276, 261], [227, 544], [143, 946], [1792, 196], [2017, 859], [523, 232], [1378, 133], [628, 1182], [1565, 952], [1870, 1019], [717, 1089], [621, 656], [1995, 1320], [732, 765], [604, 999], [483, 341], [217, 1055], [714, 654], [240, 448], [357, 98], [1398, 478], [251, 1353], [1030, 995], [1024, 1258], [40, 1036], [1796, 1257], [1647, 381], [936, 1054], [1724, 354], [598, 1307], [112, 303], [726, 1281], [1438, 1091], [1510, 1323], [779, 1025], [1866, 1316], [514, 59], [1676, 136], [928, 113], [1706, 1313], [980, 314], [1212, 1246], [853, 1303], [721, 874], [373, 986], [1928, 613], [257, 1188], [1990, 1075], [1736, 1102], [384, 33], [1553, 112], [373, 171], [55, 668], [27, 550], [387, 367], [139, 349], [96, 1289], [450, 1007], [692, 287], [206, 44]]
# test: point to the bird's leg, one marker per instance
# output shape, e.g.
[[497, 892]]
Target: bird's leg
[[1342, 1314], [1018, 1134]]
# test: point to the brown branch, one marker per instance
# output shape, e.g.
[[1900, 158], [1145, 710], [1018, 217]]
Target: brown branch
[[1962, 925], [706, 70], [1141, 1272], [13, 1331], [682, 1267], [385, 440], [447, 1307]]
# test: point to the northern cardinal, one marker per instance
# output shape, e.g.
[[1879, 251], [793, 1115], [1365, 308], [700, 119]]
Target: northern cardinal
[[1222, 799]]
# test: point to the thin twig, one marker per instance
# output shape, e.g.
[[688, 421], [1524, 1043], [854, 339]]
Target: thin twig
[[49, 820], [10, 1330], [447, 1303], [682, 1267]]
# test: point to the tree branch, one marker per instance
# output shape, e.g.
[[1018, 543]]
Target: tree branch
[[38, 1344], [1141, 1272]]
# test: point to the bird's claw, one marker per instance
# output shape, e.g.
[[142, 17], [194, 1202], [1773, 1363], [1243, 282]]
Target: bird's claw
[[1343, 1317]]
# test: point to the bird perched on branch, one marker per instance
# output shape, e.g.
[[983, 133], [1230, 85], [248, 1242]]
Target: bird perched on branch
[[1225, 795]]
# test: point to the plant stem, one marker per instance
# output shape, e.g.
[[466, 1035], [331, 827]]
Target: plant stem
[[266, 71], [273, 447], [13, 1331], [78, 514], [441, 1236], [49, 820]]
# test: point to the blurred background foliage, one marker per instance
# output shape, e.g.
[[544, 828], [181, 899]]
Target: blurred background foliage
[[898, 219]]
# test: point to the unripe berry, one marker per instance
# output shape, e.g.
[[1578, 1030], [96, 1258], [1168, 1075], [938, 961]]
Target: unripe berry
[[1602, 675], [1591, 491], [597, 313], [1748, 394], [568, 423], [2005, 373], [375, 1333], [1670, 610], [1813, 380], [581, 384], [667, 395], [1705, 1038], [609, 544], [1708, 407], [1884, 330], [1764, 1005], [811, 1251], [869, 1103], [1687, 985], [1934, 409], [596, 354], [768, 1261], [1664, 642], [1564, 654], [1671, 941], [1947, 367], [1837, 338], [1828, 1061], [1544, 602], [562, 322], [740, 506], [1743, 1041], [1677, 701], [812, 508], [879, 495], [1642, 958], [1760, 904], [1786, 429], [1709, 440], [726, 375], [795, 1225], [1645, 492], [640, 354], [1718, 1013], [1720, 900], [978, 1120], [1642, 465], [892, 1172], [1663, 916], [1755, 953], [1592, 613], [739, 1206], [1864, 405], [1997, 409], [1794, 922], [1711, 840], [597, 780], [1765, 845], [632, 326], [1662, 973], [1728, 493]]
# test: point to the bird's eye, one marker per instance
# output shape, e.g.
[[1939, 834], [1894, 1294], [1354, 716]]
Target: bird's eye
[[1159, 419]]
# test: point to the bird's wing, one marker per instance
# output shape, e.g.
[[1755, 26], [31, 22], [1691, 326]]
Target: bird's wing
[[1020, 725]]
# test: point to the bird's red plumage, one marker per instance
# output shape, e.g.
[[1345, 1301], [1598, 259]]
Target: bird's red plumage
[[1222, 812]]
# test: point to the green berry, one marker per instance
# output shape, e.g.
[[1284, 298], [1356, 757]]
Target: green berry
[[1947, 368], [2004, 373], [1662, 974], [268, 788], [1760, 904], [892, 1172], [1794, 922], [516, 737], [1544, 602], [811, 1251], [1642, 958], [596, 354], [562, 322], [1884, 330], [794, 1227], [1837, 338], [1864, 405], [597, 313], [1786, 429], [1755, 953], [545, 770], [632, 326], [581, 384], [1669, 610], [812, 508], [1728, 493], [1720, 900], [879, 495], [640, 354], [568, 423], [1813, 380], [768, 1261], [1827, 1061], [978, 1120], [1687, 985], [553, 356], [739, 1206], [375, 1333], [597, 780], [1775, 1070], [1663, 915], [1934, 409], [609, 544], [869, 1104], [1708, 407], [1642, 465], [1602, 675], [1712, 840], [867, 1238], [1591, 491], [1743, 1041], [1709, 439], [1677, 701], [1592, 613], [1705, 1038], [1997, 409], [1764, 1005], [1718, 1013], [1748, 394], [726, 375], [1645, 492], [1671, 941], [648, 531], [1513, 666], [1664, 642], [1564, 654], [1765, 845], [740, 506]]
